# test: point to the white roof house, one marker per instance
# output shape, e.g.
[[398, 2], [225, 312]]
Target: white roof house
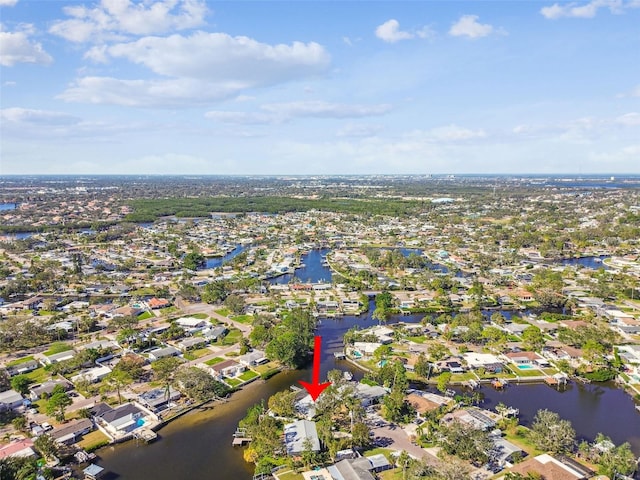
[[296, 433]]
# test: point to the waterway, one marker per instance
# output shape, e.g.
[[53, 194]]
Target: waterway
[[198, 445], [594, 263], [8, 206], [215, 262]]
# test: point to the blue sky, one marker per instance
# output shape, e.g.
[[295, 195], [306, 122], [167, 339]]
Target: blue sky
[[312, 87]]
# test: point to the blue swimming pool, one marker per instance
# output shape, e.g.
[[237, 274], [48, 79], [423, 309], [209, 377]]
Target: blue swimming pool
[[525, 367]]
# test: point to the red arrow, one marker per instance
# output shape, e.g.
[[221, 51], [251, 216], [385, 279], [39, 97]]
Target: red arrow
[[315, 388]]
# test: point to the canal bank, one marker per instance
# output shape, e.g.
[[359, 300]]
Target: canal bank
[[198, 445]]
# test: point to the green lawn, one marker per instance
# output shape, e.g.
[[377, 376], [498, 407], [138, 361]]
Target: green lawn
[[532, 372], [232, 382], [232, 337], [248, 375], [18, 361], [213, 361], [39, 375], [200, 316], [93, 440], [246, 319], [195, 354], [418, 339], [224, 312], [290, 475], [58, 347], [145, 315]]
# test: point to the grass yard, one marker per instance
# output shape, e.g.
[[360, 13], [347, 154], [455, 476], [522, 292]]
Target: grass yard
[[58, 347], [145, 315], [290, 475], [248, 375], [195, 354], [232, 337], [213, 361], [246, 319], [529, 372], [232, 382], [18, 361], [39, 375], [224, 312], [93, 440], [200, 316]]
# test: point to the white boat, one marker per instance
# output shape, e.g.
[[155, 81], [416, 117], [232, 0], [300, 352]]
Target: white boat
[[347, 375]]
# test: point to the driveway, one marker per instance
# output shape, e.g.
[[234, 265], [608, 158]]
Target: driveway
[[394, 437]]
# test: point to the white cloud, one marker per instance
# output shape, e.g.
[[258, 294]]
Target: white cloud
[[145, 93], [359, 130], [448, 133], [8, 3], [585, 10], [202, 67], [325, 109], [25, 116], [629, 119], [390, 32], [236, 61], [285, 112], [16, 47], [468, 26], [114, 18]]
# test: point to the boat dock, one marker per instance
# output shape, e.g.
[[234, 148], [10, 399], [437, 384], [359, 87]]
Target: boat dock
[[145, 434], [240, 437]]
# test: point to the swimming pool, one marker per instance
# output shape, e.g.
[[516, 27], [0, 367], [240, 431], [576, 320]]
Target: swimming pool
[[525, 367]]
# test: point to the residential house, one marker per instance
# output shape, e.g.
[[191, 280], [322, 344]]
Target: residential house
[[228, 368], [157, 303], [296, 435], [190, 323], [58, 357], [552, 468], [473, 417], [92, 375], [505, 453], [369, 394], [356, 469], [163, 352], [253, 358], [121, 420], [19, 449], [157, 399], [24, 367], [10, 400], [191, 342], [526, 358], [72, 431], [212, 334], [37, 391]]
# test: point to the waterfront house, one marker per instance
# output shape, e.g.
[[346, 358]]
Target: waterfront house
[[228, 368], [157, 399], [526, 358], [505, 453], [18, 449], [369, 394], [553, 468], [253, 358], [122, 419], [296, 435], [473, 417], [72, 431]]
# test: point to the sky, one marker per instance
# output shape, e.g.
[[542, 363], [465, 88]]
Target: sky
[[313, 87]]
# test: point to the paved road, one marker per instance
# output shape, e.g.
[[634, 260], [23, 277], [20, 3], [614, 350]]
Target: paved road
[[400, 441]]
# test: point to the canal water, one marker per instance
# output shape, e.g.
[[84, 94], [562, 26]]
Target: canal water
[[198, 445], [215, 262]]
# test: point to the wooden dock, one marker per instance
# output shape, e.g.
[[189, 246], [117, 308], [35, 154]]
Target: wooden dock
[[145, 434]]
